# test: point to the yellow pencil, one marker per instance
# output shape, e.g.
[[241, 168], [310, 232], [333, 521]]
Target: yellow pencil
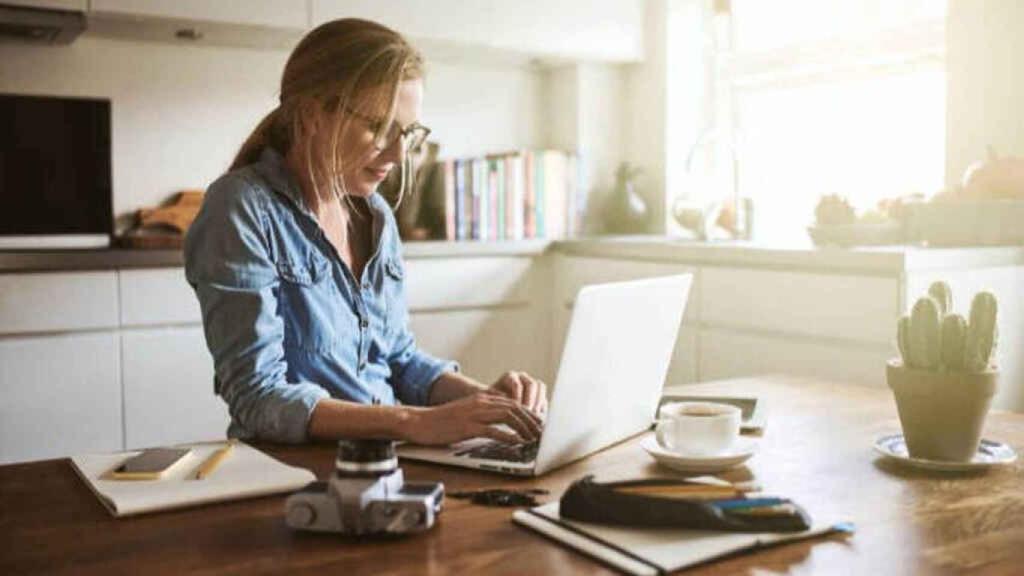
[[206, 467]]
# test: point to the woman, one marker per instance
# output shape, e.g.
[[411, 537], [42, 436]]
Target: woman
[[296, 261]]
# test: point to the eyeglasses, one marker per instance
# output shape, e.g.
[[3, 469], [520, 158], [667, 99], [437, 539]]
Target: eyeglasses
[[413, 136]]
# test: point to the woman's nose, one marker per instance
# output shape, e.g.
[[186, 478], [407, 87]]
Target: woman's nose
[[394, 151]]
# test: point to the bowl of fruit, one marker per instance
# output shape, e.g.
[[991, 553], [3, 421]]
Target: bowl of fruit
[[836, 223]]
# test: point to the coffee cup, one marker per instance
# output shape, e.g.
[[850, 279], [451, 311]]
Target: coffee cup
[[698, 428]]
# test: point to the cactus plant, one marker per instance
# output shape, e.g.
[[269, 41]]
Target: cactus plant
[[943, 295], [933, 338], [982, 333], [903, 338], [954, 332], [925, 334]]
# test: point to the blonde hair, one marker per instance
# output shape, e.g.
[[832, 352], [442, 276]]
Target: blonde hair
[[336, 65]]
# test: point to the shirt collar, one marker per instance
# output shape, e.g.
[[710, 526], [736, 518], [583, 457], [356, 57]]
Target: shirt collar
[[273, 167]]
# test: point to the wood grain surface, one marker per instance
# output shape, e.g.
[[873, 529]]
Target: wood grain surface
[[816, 449]]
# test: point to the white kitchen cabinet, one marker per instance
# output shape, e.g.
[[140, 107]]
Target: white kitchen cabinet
[[61, 395], [58, 301], [70, 5], [486, 343], [608, 30], [685, 366], [847, 307], [270, 13], [168, 388], [157, 296], [441, 283], [734, 354], [575, 272]]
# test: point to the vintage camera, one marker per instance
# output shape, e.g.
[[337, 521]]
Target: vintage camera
[[366, 495]]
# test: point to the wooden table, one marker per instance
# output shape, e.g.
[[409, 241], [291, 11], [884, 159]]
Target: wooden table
[[816, 449]]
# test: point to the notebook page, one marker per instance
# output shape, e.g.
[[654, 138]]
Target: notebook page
[[245, 472]]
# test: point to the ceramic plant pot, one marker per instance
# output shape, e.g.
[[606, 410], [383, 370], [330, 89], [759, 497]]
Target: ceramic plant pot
[[942, 413]]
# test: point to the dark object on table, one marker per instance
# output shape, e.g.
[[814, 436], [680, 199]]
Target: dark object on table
[[501, 496], [631, 504]]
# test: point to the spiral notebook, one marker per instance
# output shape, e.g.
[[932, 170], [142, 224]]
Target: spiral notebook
[[244, 473], [644, 551]]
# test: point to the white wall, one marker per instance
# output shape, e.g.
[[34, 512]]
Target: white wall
[[666, 108], [985, 96], [583, 111], [478, 108], [179, 112]]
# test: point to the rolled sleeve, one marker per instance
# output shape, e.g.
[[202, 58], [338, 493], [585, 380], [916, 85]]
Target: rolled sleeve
[[227, 262], [415, 371]]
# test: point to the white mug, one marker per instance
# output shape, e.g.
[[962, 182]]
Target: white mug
[[698, 428]]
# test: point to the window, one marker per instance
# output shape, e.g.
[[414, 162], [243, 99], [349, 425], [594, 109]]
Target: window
[[830, 97]]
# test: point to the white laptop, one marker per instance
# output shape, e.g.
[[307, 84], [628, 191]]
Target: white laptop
[[616, 357]]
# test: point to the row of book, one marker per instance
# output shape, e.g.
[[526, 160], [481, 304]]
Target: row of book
[[511, 196]]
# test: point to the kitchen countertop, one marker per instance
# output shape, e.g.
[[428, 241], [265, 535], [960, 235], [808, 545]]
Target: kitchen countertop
[[869, 260], [885, 260]]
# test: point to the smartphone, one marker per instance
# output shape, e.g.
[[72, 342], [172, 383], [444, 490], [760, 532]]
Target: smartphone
[[150, 464]]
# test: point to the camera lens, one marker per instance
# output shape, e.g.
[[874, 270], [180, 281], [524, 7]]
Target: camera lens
[[365, 457]]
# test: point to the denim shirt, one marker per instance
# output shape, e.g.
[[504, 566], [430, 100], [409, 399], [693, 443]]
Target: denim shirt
[[285, 320]]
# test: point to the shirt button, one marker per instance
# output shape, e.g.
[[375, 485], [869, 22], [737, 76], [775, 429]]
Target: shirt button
[[364, 323], [362, 365], [366, 286]]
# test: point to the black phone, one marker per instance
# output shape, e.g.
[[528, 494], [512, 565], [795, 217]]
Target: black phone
[[150, 464]]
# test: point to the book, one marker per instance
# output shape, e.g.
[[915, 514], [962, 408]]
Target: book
[[459, 206], [647, 551], [244, 473], [509, 196], [450, 166]]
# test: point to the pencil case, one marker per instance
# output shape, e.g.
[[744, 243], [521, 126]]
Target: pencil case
[[616, 503]]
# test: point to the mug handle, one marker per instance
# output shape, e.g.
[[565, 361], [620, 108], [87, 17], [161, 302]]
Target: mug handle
[[662, 426]]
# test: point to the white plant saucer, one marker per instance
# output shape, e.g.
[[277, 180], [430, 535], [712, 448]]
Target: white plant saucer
[[990, 453]]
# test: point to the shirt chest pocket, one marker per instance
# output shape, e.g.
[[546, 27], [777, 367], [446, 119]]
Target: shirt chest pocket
[[394, 294], [308, 303]]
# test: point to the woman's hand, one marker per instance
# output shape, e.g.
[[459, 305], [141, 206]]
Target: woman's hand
[[524, 389], [476, 415]]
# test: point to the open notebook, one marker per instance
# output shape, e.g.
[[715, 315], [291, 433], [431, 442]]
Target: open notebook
[[654, 551], [244, 473]]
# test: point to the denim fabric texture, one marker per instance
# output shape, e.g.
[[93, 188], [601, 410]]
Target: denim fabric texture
[[284, 317]]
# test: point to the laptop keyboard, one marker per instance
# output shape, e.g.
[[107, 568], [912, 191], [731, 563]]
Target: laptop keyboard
[[494, 450]]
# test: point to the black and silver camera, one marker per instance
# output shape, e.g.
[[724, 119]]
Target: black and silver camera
[[366, 495]]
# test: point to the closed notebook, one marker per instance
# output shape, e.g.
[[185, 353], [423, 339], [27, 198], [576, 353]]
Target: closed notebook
[[654, 551], [244, 473]]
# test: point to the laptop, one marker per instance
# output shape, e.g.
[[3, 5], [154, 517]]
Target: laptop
[[616, 357]]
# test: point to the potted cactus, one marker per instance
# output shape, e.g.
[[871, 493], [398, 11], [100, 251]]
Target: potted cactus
[[945, 378]]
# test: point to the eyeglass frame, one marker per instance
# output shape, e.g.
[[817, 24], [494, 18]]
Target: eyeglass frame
[[403, 133]]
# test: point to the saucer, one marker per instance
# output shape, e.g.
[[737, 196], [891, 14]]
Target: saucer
[[990, 453], [743, 449]]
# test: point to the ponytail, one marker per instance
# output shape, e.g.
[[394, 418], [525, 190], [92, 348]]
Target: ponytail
[[267, 133]]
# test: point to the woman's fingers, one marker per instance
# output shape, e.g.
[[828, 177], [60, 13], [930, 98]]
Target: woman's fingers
[[497, 434], [535, 392], [510, 385], [514, 416]]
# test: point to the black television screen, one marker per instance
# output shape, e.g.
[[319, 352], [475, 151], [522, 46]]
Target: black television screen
[[55, 166]]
